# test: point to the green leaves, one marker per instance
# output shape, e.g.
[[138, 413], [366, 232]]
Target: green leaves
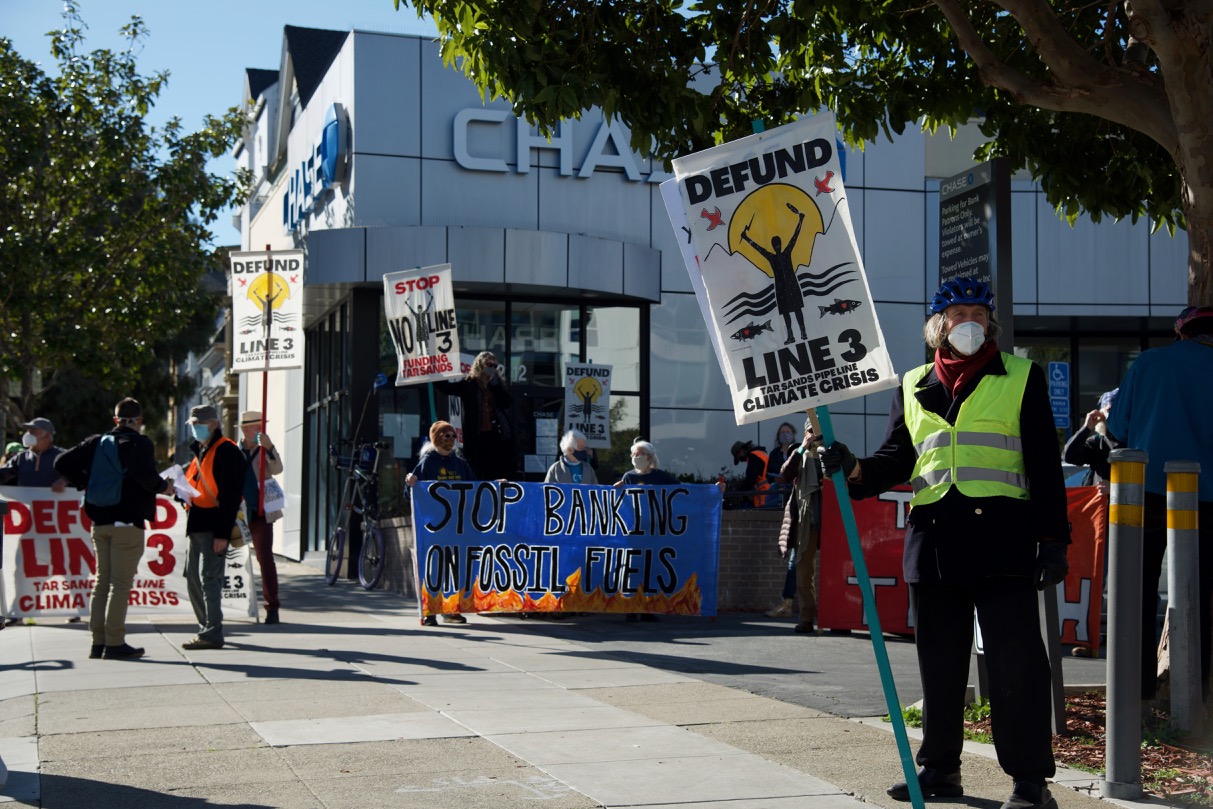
[[103, 220]]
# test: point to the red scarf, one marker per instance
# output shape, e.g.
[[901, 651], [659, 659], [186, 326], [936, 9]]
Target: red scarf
[[955, 371]]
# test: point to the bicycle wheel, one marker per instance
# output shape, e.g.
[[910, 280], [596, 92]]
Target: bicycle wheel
[[371, 559], [332, 560]]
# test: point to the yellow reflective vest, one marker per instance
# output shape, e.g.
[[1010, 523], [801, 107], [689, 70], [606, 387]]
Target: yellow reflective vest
[[982, 454]]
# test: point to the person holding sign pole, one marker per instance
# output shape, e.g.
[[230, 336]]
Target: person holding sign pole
[[973, 433], [488, 433], [569, 468], [254, 443], [439, 462]]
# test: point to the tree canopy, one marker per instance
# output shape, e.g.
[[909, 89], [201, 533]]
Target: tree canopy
[[103, 227], [1107, 105]]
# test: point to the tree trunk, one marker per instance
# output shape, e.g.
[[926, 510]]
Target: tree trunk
[[1200, 256]]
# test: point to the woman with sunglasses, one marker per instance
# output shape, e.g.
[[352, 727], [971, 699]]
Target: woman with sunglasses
[[488, 434]]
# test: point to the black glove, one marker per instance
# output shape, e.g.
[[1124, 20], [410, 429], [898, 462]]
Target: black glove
[[838, 456], [1051, 564]]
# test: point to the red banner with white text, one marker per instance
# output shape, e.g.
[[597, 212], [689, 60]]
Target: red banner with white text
[[50, 568], [881, 522]]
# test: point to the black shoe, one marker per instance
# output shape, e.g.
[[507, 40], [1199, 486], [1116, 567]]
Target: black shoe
[[202, 643], [123, 652], [934, 784], [96, 651], [1027, 795], [430, 620], [271, 616]]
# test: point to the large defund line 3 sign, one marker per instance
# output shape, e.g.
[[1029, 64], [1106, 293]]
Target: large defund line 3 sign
[[785, 285]]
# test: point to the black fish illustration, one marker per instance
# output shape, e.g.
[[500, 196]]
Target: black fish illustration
[[839, 307], [751, 330]]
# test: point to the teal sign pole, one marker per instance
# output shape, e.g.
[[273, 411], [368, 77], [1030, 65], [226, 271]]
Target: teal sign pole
[[869, 606], [873, 618]]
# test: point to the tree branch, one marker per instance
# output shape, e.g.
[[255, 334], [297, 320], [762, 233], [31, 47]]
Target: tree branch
[[1117, 95]]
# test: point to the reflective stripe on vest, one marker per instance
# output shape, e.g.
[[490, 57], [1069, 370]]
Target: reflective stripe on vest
[[208, 489], [762, 485], [982, 454]]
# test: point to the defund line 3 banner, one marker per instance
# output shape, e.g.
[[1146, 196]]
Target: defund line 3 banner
[[786, 291]]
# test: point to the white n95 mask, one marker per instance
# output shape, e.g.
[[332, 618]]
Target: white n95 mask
[[967, 337]]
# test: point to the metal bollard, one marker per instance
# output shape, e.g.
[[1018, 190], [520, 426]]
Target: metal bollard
[[1183, 615], [1122, 747]]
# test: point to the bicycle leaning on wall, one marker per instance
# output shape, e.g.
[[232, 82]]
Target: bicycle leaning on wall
[[359, 495]]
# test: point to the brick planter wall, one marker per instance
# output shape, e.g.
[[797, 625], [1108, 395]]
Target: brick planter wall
[[751, 572]]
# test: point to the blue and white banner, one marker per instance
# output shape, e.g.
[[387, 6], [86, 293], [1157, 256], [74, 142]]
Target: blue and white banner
[[546, 547]]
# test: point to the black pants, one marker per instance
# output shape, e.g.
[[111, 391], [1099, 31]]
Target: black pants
[[1154, 544], [1020, 679]]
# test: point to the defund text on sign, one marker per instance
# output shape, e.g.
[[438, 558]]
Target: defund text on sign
[[257, 266], [765, 168]]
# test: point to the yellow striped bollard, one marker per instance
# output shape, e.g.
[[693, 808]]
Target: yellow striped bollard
[[1122, 756], [1183, 595]]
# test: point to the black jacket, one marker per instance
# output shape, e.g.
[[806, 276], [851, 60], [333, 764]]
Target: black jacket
[[960, 538], [471, 394], [1088, 448], [139, 486]]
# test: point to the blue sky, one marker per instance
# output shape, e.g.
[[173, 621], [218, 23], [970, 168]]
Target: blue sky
[[205, 46]]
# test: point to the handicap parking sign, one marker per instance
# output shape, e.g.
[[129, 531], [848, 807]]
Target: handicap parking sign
[[1059, 373]]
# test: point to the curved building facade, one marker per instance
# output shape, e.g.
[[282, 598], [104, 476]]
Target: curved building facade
[[373, 157]]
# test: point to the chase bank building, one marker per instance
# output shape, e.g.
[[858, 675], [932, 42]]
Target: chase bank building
[[373, 157]]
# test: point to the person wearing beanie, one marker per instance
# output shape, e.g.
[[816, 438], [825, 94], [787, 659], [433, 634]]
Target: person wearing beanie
[[439, 462], [1163, 408]]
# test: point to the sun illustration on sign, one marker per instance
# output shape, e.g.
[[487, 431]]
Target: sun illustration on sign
[[271, 288], [587, 390], [774, 229], [768, 222], [270, 291]]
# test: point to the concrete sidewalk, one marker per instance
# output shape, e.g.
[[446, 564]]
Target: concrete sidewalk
[[350, 703]]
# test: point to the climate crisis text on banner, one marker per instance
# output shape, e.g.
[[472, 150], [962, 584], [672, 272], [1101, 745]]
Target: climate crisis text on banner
[[532, 547], [267, 310], [420, 309], [50, 567], [785, 285]]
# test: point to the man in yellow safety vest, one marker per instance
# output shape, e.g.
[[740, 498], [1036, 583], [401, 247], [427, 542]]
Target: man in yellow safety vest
[[973, 434]]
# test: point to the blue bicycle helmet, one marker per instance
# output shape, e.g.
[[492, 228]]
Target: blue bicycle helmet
[[962, 290]]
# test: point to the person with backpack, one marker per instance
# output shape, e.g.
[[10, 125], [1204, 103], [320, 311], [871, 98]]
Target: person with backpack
[[117, 471]]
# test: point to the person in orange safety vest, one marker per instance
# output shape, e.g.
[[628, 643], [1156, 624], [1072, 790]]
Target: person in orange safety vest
[[217, 473]]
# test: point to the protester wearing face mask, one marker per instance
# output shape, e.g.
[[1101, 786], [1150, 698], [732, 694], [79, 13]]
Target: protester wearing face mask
[[569, 468], [439, 462], [786, 438], [645, 472], [645, 469], [35, 464], [217, 473], [973, 433]]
